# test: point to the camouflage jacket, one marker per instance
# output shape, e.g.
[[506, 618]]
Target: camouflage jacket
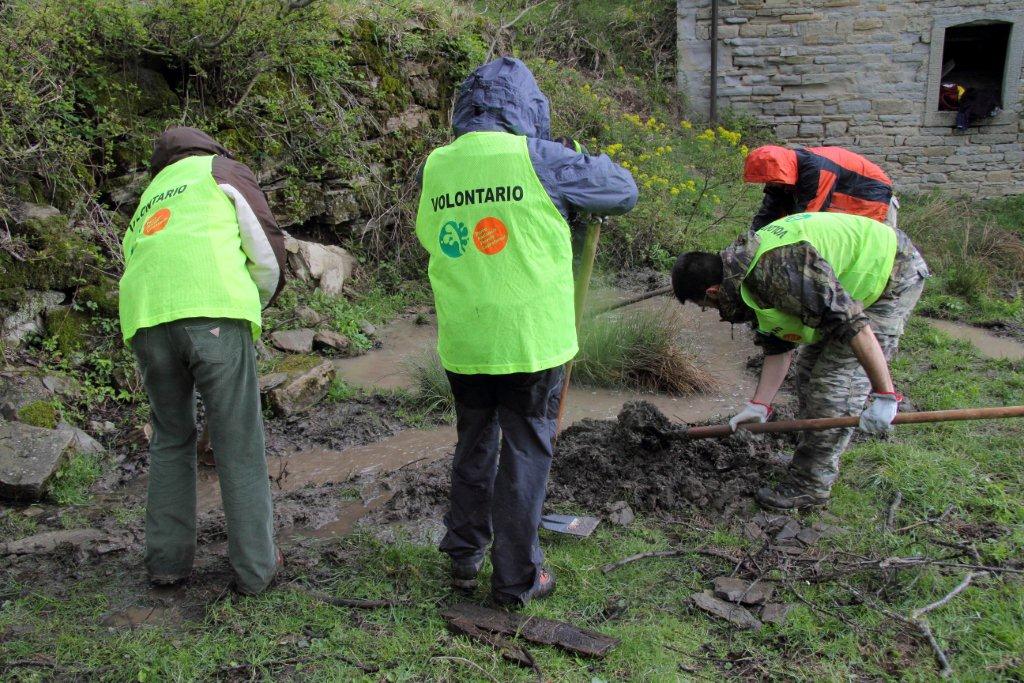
[[797, 280]]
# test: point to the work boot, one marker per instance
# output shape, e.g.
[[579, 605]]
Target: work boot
[[787, 496], [464, 574], [544, 588]]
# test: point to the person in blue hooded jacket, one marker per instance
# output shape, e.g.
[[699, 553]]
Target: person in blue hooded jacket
[[493, 216]]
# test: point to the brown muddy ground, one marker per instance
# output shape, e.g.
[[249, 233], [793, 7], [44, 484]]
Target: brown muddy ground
[[641, 457]]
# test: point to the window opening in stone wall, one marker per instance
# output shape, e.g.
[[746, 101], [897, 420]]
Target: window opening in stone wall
[[973, 68]]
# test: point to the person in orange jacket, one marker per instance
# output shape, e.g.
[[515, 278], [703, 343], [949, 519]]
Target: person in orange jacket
[[818, 179]]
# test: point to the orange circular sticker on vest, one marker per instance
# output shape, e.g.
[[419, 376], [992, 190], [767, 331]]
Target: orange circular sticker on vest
[[792, 337], [490, 235], [156, 222]]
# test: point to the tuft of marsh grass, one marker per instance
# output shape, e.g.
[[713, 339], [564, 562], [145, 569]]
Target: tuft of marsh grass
[[432, 394], [637, 348]]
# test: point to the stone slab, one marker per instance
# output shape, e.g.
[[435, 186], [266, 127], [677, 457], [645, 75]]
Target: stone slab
[[743, 592], [29, 457], [740, 617], [293, 341]]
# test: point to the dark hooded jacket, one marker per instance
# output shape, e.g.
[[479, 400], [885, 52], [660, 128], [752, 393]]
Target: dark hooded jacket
[[503, 96], [262, 239]]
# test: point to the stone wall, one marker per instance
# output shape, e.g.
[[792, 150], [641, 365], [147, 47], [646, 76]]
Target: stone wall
[[862, 74]]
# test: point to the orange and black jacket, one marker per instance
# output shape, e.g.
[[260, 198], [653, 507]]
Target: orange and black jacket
[[816, 179]]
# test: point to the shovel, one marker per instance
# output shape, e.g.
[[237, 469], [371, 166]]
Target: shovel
[[820, 423], [570, 524]]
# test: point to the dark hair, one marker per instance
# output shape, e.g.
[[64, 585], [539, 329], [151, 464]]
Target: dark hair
[[693, 273]]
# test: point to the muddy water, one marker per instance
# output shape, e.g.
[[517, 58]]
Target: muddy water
[[321, 466], [700, 331], [987, 344]]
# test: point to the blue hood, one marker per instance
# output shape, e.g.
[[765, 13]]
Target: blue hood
[[502, 96]]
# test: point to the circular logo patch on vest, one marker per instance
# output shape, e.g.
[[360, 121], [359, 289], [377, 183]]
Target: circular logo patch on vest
[[156, 222], [490, 235], [791, 337], [454, 238]]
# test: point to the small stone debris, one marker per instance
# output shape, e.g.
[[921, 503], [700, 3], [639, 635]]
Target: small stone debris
[[328, 339], [105, 427], [329, 265], [753, 532], [740, 617], [367, 328], [743, 592], [293, 341], [620, 513], [775, 612]]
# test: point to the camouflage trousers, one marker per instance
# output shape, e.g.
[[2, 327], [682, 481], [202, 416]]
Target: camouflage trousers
[[831, 383]]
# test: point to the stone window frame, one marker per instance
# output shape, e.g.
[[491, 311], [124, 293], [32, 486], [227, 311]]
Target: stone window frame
[[1011, 69]]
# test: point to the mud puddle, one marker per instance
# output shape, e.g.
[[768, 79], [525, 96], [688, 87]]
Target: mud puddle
[[316, 467], [987, 343]]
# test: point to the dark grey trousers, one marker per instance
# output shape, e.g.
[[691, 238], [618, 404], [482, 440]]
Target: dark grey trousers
[[498, 496], [217, 356]]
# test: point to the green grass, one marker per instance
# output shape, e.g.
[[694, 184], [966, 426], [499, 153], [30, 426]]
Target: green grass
[[637, 348], [71, 483], [977, 467], [431, 394]]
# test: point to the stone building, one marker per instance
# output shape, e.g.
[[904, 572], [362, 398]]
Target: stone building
[[867, 75]]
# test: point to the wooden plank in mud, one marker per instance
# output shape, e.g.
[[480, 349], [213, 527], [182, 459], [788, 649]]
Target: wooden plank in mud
[[534, 629]]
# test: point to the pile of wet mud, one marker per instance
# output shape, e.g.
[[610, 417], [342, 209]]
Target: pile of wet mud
[[647, 460], [641, 457]]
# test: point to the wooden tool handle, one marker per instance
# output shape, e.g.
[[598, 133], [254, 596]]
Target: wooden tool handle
[[582, 286], [818, 424]]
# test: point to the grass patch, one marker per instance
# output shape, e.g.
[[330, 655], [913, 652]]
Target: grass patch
[[341, 391], [638, 348], [73, 480], [976, 251], [431, 394]]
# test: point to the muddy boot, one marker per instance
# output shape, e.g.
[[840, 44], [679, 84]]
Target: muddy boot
[[464, 574], [278, 566], [788, 496], [545, 587]]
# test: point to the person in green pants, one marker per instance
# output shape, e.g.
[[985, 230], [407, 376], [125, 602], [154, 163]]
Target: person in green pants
[[203, 256]]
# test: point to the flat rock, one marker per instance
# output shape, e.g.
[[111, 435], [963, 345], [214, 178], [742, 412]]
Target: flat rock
[[808, 536], [788, 532], [81, 442], [307, 316], [740, 617], [301, 393], [775, 612], [743, 592], [329, 339], [293, 341], [29, 457], [274, 379]]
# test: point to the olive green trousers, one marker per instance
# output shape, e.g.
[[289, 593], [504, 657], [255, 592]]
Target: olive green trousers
[[217, 357]]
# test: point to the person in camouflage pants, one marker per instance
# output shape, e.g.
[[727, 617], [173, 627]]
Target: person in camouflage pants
[[804, 283]]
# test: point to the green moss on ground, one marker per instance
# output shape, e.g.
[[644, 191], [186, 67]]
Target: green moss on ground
[[40, 414]]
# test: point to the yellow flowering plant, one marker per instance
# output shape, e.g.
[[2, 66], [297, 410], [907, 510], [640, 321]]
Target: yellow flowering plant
[[687, 175]]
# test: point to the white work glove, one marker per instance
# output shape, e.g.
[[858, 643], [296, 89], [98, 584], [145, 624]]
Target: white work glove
[[878, 416], [752, 412]]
